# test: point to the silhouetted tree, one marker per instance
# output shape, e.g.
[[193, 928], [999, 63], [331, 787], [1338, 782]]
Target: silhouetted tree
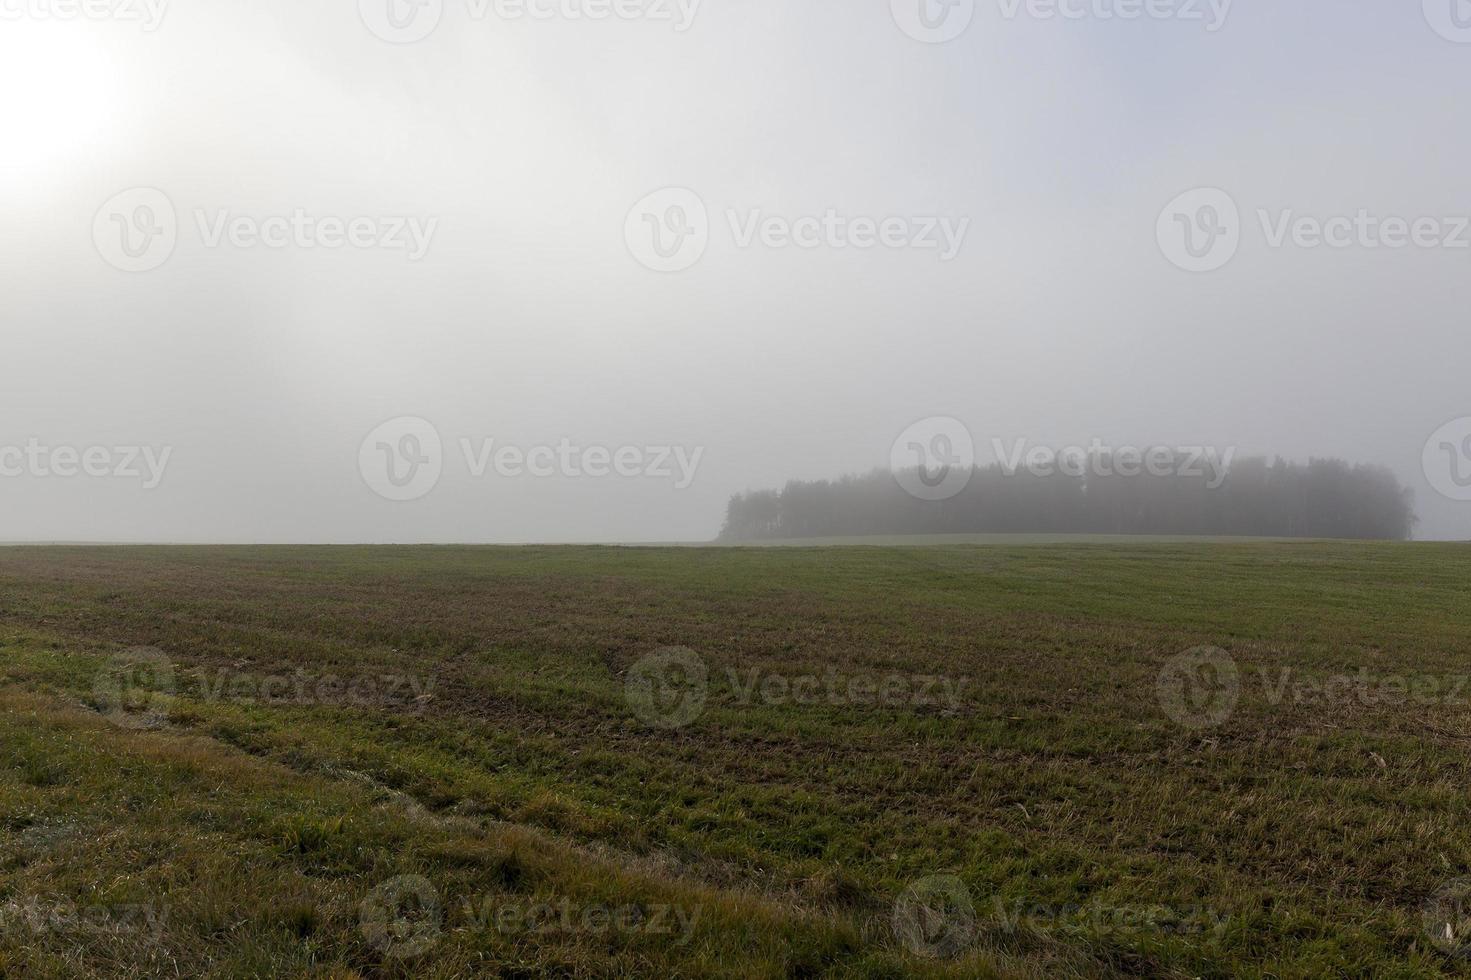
[[1324, 498]]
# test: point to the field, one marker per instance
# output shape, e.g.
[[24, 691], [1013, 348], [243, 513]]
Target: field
[[1045, 760]]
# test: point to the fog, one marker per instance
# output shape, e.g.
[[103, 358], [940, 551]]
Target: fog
[[282, 272]]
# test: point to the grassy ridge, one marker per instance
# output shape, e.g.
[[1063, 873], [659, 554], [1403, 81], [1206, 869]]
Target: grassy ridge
[[333, 720]]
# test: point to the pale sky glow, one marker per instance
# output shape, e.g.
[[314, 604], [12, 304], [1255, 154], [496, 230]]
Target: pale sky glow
[[60, 105], [530, 321]]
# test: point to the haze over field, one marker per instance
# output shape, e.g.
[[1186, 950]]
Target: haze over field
[[486, 186], [1017, 418]]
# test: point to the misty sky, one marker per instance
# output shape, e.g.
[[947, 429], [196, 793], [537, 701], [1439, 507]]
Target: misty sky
[[518, 148]]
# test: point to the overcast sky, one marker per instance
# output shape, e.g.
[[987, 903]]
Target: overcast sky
[[256, 242]]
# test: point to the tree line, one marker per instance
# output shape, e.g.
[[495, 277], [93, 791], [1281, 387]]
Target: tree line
[[1323, 498]]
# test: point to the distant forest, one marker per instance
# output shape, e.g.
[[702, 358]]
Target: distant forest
[[1324, 498]]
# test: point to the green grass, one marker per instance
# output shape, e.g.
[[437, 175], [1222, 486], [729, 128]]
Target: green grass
[[326, 729], [929, 540]]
